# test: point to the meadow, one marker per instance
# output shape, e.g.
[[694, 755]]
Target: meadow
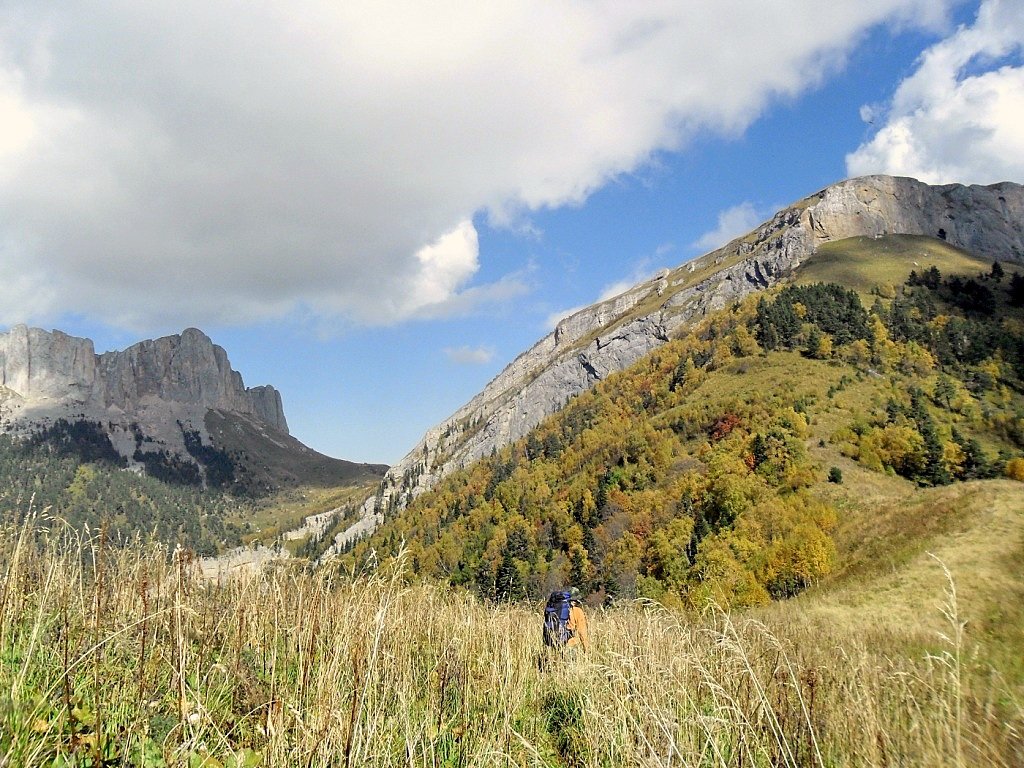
[[123, 656]]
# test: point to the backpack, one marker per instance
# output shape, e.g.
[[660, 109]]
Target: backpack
[[556, 620]]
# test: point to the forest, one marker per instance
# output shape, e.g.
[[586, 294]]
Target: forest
[[69, 473], [688, 479]]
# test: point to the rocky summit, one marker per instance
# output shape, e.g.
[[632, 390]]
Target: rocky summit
[[611, 335], [175, 396]]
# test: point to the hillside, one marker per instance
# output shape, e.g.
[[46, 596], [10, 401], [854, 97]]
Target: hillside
[[707, 469], [609, 336], [136, 662], [825, 502], [266, 459]]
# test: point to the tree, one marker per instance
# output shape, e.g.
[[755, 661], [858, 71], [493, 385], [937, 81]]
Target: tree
[[997, 272], [508, 581], [1017, 290], [945, 391], [932, 278]]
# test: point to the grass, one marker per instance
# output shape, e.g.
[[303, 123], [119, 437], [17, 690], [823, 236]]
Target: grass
[[124, 657], [865, 263]]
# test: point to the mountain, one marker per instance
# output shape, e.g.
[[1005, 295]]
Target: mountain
[[172, 405], [763, 450], [609, 336]]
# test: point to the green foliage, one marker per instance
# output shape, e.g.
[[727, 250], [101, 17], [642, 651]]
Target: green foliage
[[67, 472], [826, 308], [218, 467], [835, 475], [82, 440]]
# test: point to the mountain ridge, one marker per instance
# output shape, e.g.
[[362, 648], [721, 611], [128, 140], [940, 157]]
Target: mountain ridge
[[610, 335], [154, 401]]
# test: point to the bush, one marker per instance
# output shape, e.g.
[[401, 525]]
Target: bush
[[1015, 469], [835, 475]]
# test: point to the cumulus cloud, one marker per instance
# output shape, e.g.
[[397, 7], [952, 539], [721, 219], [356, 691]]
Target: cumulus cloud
[[466, 355], [164, 164], [959, 116], [732, 222]]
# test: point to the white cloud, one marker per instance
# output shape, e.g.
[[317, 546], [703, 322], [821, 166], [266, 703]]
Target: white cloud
[[445, 266], [165, 164], [732, 222], [17, 126], [960, 116], [466, 355]]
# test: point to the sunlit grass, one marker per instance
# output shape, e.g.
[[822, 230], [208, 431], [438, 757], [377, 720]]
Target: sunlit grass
[[865, 263], [124, 656]]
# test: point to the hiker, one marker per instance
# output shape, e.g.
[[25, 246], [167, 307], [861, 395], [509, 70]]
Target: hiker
[[577, 623], [565, 623]]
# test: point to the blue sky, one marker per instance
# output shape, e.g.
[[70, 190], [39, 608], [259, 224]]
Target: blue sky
[[376, 208]]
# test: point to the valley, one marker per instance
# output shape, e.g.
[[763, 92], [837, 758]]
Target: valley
[[788, 479]]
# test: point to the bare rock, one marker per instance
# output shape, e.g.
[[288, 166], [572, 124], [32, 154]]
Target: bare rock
[[156, 383]]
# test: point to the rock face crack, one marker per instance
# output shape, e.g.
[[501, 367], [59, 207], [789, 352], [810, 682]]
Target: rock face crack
[[758, 276]]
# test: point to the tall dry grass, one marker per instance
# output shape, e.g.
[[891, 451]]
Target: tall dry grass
[[125, 657]]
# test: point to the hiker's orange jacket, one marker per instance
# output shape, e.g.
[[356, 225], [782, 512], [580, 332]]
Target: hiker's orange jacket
[[580, 632]]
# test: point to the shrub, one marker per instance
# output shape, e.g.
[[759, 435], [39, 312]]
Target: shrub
[[835, 475], [1015, 469]]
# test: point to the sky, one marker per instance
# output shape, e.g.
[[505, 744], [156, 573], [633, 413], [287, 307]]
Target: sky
[[376, 206]]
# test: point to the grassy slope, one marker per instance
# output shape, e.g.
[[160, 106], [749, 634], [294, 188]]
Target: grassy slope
[[887, 526], [290, 668], [268, 518], [863, 263], [894, 537]]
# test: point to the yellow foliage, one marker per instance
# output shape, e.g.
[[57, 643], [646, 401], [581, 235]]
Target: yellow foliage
[[744, 344], [857, 353], [916, 359], [824, 349], [952, 457], [1015, 469], [724, 580], [896, 446]]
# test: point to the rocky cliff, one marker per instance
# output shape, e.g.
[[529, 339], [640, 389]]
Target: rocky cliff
[[611, 335], [46, 375]]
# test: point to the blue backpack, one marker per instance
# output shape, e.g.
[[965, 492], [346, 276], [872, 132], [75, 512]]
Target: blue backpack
[[556, 620]]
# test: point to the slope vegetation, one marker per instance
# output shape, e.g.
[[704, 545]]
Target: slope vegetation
[[708, 470]]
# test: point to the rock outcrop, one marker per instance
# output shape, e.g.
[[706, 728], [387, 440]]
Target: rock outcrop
[[611, 335], [156, 384]]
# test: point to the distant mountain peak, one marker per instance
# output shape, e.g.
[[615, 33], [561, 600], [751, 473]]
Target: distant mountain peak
[[49, 373], [155, 400]]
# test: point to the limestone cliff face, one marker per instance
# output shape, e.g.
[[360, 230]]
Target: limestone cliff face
[[611, 335], [50, 374], [37, 364], [188, 368]]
